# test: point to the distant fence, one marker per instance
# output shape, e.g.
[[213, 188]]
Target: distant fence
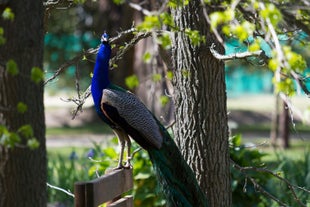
[[105, 189]]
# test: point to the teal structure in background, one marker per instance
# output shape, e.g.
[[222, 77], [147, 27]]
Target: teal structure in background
[[240, 81]]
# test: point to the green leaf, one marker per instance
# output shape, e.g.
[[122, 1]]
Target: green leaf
[[2, 39], [22, 107], [8, 14], [156, 77], [12, 68], [149, 23], [195, 37], [110, 152], [37, 75], [79, 1], [167, 19], [255, 46], [147, 57], [33, 143], [165, 41], [132, 81], [119, 2], [169, 75], [26, 131], [164, 100], [9, 139], [272, 13], [177, 3]]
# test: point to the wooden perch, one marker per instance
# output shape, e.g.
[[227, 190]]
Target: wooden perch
[[107, 188]]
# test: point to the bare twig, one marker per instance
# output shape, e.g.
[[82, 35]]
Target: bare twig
[[216, 33], [73, 61], [138, 7], [81, 98], [291, 106], [60, 189]]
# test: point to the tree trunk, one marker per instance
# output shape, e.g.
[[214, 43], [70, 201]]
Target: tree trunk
[[274, 133], [201, 129], [284, 127], [22, 170]]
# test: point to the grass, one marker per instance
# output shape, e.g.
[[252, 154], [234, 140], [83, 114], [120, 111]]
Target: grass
[[90, 128]]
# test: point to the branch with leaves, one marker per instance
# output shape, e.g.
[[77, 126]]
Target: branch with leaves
[[259, 188], [81, 97]]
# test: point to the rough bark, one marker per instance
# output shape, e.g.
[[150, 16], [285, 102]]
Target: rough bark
[[201, 129], [22, 170]]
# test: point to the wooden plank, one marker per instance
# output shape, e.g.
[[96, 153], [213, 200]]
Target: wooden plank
[[103, 189], [127, 201], [79, 194]]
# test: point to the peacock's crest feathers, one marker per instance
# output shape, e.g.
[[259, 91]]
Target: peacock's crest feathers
[[135, 113]]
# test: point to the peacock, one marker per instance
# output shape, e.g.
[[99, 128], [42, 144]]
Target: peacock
[[129, 117]]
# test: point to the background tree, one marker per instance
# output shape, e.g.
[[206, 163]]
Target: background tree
[[22, 169]]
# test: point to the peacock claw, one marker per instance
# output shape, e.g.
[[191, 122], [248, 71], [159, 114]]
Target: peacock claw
[[119, 167], [128, 164]]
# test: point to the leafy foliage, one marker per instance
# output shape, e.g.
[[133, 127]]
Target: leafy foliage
[[295, 171], [12, 139], [63, 171], [244, 193]]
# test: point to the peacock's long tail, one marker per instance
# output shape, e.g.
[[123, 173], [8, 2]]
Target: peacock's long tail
[[176, 178]]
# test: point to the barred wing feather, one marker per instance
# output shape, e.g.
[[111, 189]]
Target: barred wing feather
[[135, 113]]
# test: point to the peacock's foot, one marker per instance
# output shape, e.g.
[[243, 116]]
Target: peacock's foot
[[128, 163], [118, 168]]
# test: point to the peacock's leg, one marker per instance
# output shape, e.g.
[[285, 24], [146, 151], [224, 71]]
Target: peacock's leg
[[121, 140], [128, 143]]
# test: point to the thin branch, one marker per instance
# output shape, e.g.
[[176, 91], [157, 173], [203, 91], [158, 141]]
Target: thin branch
[[291, 106], [300, 81], [241, 55], [216, 33], [80, 100], [258, 187], [85, 54], [60, 189], [138, 7], [73, 61]]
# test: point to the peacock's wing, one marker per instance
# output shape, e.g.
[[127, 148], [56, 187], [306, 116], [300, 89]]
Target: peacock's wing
[[125, 110]]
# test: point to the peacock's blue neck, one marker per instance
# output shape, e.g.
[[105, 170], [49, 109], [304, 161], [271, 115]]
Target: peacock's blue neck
[[100, 78]]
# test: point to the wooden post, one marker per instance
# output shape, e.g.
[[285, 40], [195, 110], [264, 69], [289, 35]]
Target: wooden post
[[105, 188]]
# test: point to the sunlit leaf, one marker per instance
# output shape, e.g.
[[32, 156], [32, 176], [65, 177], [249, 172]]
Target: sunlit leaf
[[165, 41], [8, 14], [12, 68], [132, 81], [147, 57], [169, 75], [164, 100], [33, 143]]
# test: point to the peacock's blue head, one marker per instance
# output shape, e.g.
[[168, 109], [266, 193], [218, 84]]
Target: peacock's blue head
[[105, 38]]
